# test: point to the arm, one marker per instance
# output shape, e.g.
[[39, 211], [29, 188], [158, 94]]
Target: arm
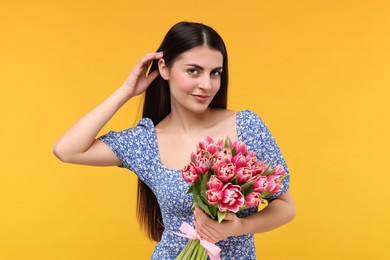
[[79, 144], [279, 212]]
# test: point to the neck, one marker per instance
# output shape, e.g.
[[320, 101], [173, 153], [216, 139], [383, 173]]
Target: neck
[[185, 121]]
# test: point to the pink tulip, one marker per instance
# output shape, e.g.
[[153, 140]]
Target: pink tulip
[[202, 164], [204, 142], [239, 160], [214, 183], [222, 156], [213, 196], [225, 171], [189, 173], [251, 154], [221, 143], [253, 199], [279, 170], [194, 156], [259, 167], [251, 158], [239, 146], [274, 185], [244, 174], [212, 148], [198, 153], [260, 183], [232, 198]]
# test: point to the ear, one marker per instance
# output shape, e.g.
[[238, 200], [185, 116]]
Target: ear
[[163, 69]]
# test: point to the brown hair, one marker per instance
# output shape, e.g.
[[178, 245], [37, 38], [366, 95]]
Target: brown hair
[[182, 37]]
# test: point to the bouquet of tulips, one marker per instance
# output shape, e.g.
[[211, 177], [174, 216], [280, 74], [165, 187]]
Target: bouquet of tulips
[[226, 177]]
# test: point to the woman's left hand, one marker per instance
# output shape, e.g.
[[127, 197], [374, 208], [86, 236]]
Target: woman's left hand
[[213, 231]]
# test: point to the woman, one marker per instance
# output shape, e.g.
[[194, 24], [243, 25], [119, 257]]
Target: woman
[[185, 100]]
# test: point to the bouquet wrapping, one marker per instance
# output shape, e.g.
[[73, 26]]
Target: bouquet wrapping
[[225, 177]]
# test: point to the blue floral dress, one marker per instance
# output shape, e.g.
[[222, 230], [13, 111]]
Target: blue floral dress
[[137, 148]]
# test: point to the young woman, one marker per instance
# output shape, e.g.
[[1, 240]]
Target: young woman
[[185, 100]]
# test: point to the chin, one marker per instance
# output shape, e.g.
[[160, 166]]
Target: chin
[[199, 109]]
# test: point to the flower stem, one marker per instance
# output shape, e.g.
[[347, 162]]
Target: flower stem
[[193, 251]]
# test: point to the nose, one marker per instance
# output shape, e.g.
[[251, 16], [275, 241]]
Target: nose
[[205, 82]]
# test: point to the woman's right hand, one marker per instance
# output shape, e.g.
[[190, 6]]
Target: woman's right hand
[[137, 82], [79, 144]]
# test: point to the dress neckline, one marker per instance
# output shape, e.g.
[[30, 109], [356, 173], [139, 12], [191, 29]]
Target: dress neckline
[[157, 149]]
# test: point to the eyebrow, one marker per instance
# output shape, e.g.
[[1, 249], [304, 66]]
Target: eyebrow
[[201, 68]]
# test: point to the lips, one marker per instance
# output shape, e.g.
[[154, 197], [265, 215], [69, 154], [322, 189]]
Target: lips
[[201, 97]]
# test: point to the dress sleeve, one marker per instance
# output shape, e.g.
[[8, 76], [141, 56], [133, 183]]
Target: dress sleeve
[[258, 138], [133, 147]]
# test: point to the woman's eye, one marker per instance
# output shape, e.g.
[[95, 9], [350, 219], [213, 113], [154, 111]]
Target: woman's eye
[[216, 73], [193, 71]]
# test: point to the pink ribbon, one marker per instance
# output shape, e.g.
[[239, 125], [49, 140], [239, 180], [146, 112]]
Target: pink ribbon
[[189, 232]]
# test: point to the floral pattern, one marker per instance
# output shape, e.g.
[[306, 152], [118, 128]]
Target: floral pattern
[[137, 148]]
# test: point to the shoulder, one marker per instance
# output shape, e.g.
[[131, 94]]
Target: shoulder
[[248, 118], [224, 114], [251, 129], [144, 128], [241, 115], [146, 123], [132, 144]]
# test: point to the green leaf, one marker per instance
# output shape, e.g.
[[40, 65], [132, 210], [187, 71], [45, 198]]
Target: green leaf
[[282, 177], [202, 205], [247, 191], [266, 173], [221, 215], [271, 172], [247, 184], [247, 188], [234, 180], [209, 207], [214, 210], [234, 151], [266, 170], [227, 142], [244, 207], [194, 205], [265, 194], [204, 199], [196, 187], [190, 189], [205, 178]]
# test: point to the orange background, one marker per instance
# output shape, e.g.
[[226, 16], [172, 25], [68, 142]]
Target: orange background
[[316, 71]]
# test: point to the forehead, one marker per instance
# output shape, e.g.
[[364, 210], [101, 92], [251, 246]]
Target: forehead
[[201, 55]]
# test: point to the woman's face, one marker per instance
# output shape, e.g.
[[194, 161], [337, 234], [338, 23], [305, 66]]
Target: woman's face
[[194, 78]]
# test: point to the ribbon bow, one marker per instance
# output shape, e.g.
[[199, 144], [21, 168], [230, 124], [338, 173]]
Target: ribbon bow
[[189, 232]]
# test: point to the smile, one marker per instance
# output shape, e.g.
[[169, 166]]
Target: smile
[[201, 98]]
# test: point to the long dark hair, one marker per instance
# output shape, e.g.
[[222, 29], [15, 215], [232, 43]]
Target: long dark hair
[[182, 37]]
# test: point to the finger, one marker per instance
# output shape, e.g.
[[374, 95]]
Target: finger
[[205, 226], [205, 233], [152, 76], [143, 65], [207, 223], [201, 216], [229, 216], [148, 58]]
